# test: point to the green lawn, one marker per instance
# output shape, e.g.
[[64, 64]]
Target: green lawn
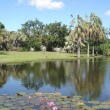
[[15, 57]]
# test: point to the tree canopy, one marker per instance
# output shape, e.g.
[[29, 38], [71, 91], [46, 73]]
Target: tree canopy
[[83, 35], [86, 31], [2, 26]]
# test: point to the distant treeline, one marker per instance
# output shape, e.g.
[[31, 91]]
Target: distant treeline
[[86, 35]]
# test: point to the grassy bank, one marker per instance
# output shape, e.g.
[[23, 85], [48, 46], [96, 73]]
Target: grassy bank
[[15, 57]]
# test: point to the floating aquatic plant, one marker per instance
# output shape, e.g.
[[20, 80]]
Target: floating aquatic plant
[[47, 101]]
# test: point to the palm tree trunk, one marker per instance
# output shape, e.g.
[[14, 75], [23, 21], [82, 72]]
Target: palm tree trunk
[[78, 65], [93, 63], [78, 52], [88, 50], [88, 65], [93, 50], [78, 49]]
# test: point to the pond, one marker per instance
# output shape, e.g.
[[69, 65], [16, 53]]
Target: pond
[[88, 78]]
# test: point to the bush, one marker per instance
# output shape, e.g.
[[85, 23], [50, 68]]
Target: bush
[[105, 49], [31, 43]]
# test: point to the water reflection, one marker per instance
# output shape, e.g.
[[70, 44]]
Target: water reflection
[[82, 77]]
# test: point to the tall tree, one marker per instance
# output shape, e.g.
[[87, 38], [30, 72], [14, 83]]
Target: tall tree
[[86, 32], [4, 39], [16, 39], [89, 30], [56, 33], [98, 32], [33, 28], [77, 36], [2, 26], [34, 31]]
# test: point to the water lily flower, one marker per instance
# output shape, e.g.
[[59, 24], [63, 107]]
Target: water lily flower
[[29, 97], [51, 104], [41, 99], [55, 108], [45, 98]]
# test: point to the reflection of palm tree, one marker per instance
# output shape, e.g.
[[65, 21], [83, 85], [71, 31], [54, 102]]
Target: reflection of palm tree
[[88, 81], [56, 76], [84, 75]]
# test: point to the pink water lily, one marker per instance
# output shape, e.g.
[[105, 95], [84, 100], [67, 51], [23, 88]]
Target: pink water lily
[[51, 104], [41, 99], [29, 97], [45, 98], [55, 108]]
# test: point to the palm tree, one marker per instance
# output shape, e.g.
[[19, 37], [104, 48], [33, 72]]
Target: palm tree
[[98, 32], [86, 31], [4, 38], [76, 37], [16, 38], [79, 34]]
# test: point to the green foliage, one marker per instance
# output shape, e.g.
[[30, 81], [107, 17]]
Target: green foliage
[[85, 35], [86, 30], [2, 26], [57, 33], [50, 35], [32, 43], [32, 28], [105, 49]]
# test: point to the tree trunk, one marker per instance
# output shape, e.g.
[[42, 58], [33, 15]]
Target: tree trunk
[[88, 50], [78, 65], [93, 64], [88, 64], [78, 52], [93, 50], [79, 48]]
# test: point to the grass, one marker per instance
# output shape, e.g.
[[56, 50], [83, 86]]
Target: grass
[[16, 57]]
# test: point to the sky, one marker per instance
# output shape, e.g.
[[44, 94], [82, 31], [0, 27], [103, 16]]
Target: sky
[[13, 13]]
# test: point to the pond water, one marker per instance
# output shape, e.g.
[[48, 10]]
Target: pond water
[[88, 78]]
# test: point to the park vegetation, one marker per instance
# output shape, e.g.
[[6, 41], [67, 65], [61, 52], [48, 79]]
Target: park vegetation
[[84, 35]]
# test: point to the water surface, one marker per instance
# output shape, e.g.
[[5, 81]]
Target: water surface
[[89, 78]]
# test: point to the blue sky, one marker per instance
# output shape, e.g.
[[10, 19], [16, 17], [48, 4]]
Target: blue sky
[[13, 13]]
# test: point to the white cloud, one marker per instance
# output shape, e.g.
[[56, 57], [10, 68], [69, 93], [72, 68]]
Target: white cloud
[[108, 13], [45, 4]]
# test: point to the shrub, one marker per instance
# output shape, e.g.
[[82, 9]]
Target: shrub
[[105, 49], [31, 43]]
